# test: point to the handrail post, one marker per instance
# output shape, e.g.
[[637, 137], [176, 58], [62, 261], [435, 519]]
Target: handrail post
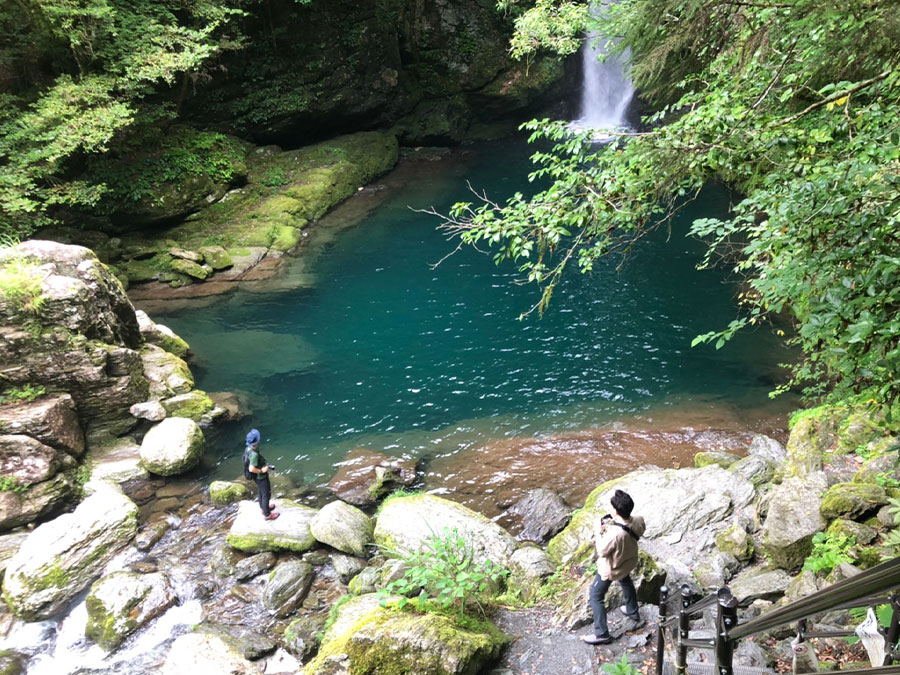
[[684, 628], [893, 632], [726, 619], [661, 629]]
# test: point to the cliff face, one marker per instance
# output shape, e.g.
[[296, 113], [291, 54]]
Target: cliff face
[[437, 67]]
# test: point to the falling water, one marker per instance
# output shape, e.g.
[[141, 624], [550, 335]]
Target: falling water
[[606, 91]]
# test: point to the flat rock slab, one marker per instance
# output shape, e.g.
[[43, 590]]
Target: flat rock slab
[[290, 532]]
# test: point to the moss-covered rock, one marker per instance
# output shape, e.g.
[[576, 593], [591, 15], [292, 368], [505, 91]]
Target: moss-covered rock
[[223, 492], [287, 587], [343, 527], [122, 602], [192, 405], [216, 257], [173, 446], [852, 500], [166, 373], [735, 541], [191, 269], [290, 532], [884, 463], [862, 534], [723, 459], [793, 518], [161, 336]]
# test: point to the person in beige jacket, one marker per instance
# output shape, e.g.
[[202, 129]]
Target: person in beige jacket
[[617, 555]]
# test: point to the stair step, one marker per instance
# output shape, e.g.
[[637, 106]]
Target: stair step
[[710, 669]]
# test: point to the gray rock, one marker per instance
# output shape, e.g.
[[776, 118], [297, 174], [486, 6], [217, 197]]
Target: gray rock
[[735, 542], [862, 534], [347, 566], [27, 460], [122, 602], [173, 446], [367, 581], [749, 654], [9, 544], [767, 448], [802, 585], [160, 335], [205, 653], [40, 500], [287, 587], [793, 518], [886, 516], [223, 561], [365, 476], [537, 516], [755, 584], [530, 566], [852, 500], [148, 410], [888, 463], [250, 644], [409, 523], [118, 462], [150, 534], [302, 635], [842, 571], [166, 373], [754, 468], [290, 532], [49, 419], [61, 557], [224, 492], [254, 565], [343, 527]]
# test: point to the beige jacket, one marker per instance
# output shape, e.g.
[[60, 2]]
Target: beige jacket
[[617, 551]]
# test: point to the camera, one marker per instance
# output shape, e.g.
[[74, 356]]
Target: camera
[[271, 466], [606, 519]]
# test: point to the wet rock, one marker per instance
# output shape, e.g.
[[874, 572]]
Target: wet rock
[[755, 584], [121, 602], [205, 653], [235, 405], [27, 460], [38, 501], [364, 477], [118, 462], [223, 492], [250, 644], [755, 468], [144, 566], [317, 558], [290, 532], [723, 459], [167, 374], [367, 581], [793, 518], [408, 523], [254, 565], [245, 593], [150, 534], [61, 557], [161, 336], [343, 527], [216, 257], [194, 405], [767, 448], [173, 446], [851, 500], [735, 542], [49, 419], [152, 411], [539, 515], [287, 587], [301, 637], [347, 566], [414, 644]]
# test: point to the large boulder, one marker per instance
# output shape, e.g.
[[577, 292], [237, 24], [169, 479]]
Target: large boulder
[[408, 523], [250, 532], [343, 527], [160, 335], [851, 500], [759, 584], [793, 518], [385, 640], [173, 446], [683, 509], [52, 420], [195, 405], [537, 516], [287, 587], [23, 505], [204, 652], [167, 374], [122, 602], [61, 557], [26, 460]]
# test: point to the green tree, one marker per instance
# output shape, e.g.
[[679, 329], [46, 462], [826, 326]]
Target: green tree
[[794, 104]]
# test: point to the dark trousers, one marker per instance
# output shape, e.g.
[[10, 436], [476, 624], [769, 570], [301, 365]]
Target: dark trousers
[[265, 492], [598, 607]]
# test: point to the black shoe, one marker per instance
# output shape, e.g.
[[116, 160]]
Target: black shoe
[[633, 623], [597, 639]]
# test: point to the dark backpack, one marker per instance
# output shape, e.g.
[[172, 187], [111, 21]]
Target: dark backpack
[[249, 475]]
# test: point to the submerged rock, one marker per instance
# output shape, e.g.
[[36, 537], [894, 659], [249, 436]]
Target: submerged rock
[[60, 558], [365, 476], [122, 602], [409, 523], [290, 532], [173, 446], [343, 527]]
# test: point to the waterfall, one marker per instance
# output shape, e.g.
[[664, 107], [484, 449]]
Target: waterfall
[[606, 91]]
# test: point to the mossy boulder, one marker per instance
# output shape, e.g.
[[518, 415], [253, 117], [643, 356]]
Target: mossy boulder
[[755, 468], [122, 602], [793, 518], [216, 257], [287, 587], [61, 557], [191, 269], [173, 446], [223, 492], [735, 542], [862, 534], [723, 459], [851, 500], [161, 336], [343, 527], [886, 464], [167, 374], [407, 523], [290, 532], [385, 640], [192, 405]]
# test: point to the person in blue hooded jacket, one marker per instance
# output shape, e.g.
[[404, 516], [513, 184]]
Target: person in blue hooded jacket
[[259, 469]]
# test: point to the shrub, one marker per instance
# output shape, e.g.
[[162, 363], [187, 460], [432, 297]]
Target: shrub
[[829, 550], [24, 394]]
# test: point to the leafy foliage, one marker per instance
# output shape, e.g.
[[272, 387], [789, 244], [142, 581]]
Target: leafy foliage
[[828, 551], [444, 571], [620, 667], [890, 543], [23, 394], [798, 106]]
